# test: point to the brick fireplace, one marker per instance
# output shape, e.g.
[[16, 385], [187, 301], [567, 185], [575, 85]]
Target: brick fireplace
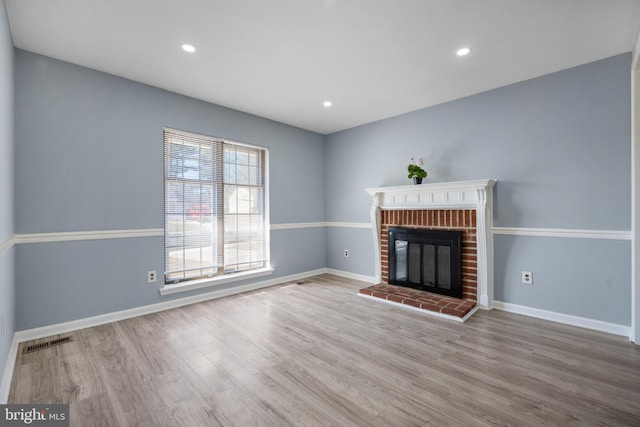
[[463, 206], [458, 220]]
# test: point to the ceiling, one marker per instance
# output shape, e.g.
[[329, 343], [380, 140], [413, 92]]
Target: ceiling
[[280, 59]]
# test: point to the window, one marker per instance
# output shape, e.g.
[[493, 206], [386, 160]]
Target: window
[[214, 205]]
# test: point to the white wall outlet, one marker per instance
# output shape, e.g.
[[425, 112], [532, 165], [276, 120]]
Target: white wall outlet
[[527, 278], [152, 277], [346, 253]]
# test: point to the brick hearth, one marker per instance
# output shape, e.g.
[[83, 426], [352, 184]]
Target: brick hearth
[[420, 299]]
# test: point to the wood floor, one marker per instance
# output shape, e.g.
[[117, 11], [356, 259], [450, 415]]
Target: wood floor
[[316, 354]]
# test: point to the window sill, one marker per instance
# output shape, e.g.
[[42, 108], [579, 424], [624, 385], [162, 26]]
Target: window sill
[[214, 281]]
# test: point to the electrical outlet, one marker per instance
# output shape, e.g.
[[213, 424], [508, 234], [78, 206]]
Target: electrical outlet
[[151, 276], [527, 278], [346, 253]]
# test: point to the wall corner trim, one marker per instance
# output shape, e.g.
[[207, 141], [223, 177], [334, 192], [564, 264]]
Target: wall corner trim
[[7, 245], [7, 374]]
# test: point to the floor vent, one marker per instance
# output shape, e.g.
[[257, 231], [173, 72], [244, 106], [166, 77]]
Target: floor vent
[[303, 282], [43, 345]]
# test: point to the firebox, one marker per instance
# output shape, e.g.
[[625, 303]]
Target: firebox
[[429, 260]]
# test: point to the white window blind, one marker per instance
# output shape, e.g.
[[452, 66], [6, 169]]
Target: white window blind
[[215, 219]]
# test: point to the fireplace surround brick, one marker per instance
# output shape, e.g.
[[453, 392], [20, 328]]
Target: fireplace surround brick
[[436, 219]]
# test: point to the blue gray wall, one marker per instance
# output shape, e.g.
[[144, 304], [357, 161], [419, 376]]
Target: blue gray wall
[[551, 143], [89, 157], [7, 282]]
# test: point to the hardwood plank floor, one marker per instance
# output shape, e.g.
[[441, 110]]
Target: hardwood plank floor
[[315, 354]]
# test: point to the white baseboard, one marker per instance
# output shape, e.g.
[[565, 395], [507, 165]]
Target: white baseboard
[[74, 325], [348, 275], [7, 374], [61, 328], [567, 319]]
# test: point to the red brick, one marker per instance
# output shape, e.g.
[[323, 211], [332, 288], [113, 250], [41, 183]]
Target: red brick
[[394, 298], [452, 312], [442, 304], [379, 294], [429, 306], [411, 302]]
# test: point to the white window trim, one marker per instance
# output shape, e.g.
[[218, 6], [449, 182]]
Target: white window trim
[[189, 285], [214, 281]]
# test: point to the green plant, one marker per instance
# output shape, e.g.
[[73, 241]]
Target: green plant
[[415, 169]]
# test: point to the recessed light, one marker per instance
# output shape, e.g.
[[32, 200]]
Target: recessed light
[[464, 51], [188, 48], [327, 103]]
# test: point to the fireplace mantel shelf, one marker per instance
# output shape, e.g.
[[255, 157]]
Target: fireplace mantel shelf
[[476, 194], [456, 195]]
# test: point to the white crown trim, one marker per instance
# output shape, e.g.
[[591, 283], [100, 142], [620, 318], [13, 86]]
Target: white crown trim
[[87, 235], [292, 226], [564, 232], [295, 225]]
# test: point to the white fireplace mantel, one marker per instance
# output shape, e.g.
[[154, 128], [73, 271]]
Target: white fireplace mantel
[[477, 194]]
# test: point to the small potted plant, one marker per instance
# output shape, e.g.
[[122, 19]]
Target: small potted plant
[[415, 170]]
